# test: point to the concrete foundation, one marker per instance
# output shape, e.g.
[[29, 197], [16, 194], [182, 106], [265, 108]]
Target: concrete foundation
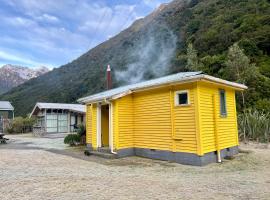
[[89, 147], [178, 157]]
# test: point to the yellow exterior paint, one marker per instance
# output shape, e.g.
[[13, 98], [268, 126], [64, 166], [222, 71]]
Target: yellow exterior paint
[[151, 119], [94, 126], [89, 124], [104, 126], [115, 125], [226, 128], [125, 122]]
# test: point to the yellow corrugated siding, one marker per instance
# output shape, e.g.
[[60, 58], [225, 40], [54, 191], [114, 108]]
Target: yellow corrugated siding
[[226, 127], [151, 120], [185, 123], [94, 126], [89, 124], [125, 122], [155, 114], [152, 127]]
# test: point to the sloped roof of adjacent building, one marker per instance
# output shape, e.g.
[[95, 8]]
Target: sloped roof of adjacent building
[[166, 80], [71, 107], [6, 105]]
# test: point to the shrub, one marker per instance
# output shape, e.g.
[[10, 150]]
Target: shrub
[[72, 139], [254, 125], [9, 130], [81, 130], [21, 125], [263, 105]]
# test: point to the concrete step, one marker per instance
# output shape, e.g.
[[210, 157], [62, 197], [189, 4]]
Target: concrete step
[[104, 149], [103, 154]]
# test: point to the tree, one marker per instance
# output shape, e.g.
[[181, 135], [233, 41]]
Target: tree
[[237, 64], [193, 63]]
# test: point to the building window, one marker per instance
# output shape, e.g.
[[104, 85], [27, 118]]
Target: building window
[[223, 107], [181, 98]]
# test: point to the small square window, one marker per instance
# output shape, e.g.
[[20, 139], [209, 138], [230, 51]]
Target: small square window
[[181, 98], [223, 107]]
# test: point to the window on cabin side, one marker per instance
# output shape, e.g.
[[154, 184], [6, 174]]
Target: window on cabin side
[[181, 98], [223, 107]]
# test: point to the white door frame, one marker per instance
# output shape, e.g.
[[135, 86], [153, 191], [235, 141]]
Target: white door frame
[[99, 143], [111, 126], [98, 125]]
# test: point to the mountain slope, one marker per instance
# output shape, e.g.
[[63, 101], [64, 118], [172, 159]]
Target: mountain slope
[[156, 45], [13, 75]]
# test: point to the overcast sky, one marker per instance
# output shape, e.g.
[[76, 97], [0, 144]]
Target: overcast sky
[[54, 32]]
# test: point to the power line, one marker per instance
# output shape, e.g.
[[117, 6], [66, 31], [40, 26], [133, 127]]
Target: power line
[[127, 19], [129, 15], [97, 27], [109, 24]]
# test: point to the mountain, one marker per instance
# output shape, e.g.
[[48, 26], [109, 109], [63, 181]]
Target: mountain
[[13, 75], [156, 45]]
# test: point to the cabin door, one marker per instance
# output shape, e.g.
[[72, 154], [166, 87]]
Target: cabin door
[[105, 125]]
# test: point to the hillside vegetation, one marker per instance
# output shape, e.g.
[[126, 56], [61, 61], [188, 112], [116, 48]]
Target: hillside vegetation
[[157, 45]]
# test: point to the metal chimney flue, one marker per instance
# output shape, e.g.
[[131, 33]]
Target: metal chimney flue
[[109, 78]]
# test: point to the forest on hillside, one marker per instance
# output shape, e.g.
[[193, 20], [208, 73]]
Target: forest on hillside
[[230, 40], [226, 39]]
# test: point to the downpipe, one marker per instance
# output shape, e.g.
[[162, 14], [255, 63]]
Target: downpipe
[[111, 128], [219, 156]]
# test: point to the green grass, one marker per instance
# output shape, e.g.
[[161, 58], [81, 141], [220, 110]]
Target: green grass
[[254, 125]]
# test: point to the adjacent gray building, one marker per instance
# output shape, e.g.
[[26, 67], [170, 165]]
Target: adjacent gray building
[[58, 117], [6, 114]]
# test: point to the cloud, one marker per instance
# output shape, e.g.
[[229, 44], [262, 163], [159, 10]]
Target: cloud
[[21, 59], [48, 18], [59, 31], [19, 22]]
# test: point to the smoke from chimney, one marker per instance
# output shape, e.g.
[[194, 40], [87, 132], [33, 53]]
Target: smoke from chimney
[[150, 56], [109, 79]]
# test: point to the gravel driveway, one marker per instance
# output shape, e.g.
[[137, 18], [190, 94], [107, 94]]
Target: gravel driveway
[[39, 168]]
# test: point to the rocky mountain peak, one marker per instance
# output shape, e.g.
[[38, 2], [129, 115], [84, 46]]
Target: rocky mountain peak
[[14, 75]]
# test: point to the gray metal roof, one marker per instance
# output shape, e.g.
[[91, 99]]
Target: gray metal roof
[[71, 107], [171, 79], [145, 84], [6, 105]]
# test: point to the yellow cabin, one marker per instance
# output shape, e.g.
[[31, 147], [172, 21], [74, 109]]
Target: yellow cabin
[[188, 118]]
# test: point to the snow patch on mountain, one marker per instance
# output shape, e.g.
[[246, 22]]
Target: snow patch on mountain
[[14, 75]]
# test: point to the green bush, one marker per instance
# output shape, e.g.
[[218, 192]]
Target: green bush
[[21, 125], [254, 125], [81, 130], [263, 105], [72, 139]]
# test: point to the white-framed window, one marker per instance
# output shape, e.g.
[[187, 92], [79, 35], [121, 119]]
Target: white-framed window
[[223, 106], [181, 98]]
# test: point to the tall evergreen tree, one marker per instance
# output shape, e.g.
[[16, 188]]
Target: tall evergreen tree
[[193, 63], [237, 63]]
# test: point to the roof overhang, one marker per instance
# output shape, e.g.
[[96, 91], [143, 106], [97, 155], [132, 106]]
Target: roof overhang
[[6, 106], [40, 107], [6, 109], [189, 79], [33, 111]]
